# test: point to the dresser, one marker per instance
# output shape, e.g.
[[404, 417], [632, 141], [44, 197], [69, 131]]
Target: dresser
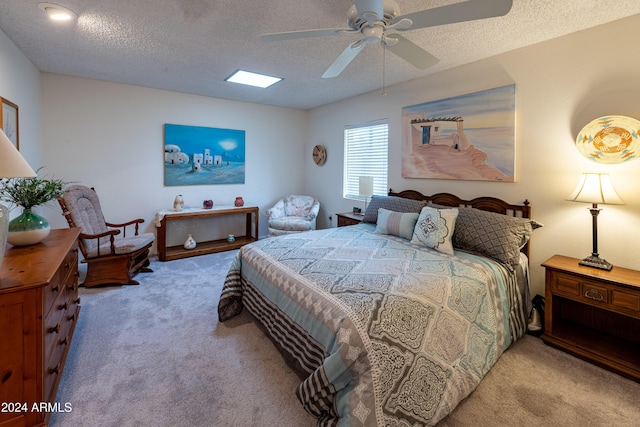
[[594, 314], [39, 307]]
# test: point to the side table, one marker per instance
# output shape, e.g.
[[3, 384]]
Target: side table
[[594, 314]]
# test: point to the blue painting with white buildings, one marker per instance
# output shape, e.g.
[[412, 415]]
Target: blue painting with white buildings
[[195, 155]]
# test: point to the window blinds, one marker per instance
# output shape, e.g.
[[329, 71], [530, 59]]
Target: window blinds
[[366, 154]]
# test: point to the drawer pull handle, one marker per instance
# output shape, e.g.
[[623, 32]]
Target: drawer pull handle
[[67, 265], [76, 301], [56, 288], [54, 329], [71, 287], [594, 294], [65, 341], [64, 306], [55, 370]]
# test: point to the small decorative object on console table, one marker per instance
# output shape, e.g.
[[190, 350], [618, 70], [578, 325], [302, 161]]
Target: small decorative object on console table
[[595, 188], [239, 202], [594, 314], [190, 243], [207, 204], [178, 203], [231, 238], [348, 218]]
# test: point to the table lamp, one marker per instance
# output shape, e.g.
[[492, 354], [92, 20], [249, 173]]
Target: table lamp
[[365, 188], [595, 188], [12, 165]]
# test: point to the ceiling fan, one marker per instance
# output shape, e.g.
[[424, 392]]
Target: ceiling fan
[[378, 21]]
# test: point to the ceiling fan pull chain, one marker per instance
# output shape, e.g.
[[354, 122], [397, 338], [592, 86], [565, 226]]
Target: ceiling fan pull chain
[[384, 51]]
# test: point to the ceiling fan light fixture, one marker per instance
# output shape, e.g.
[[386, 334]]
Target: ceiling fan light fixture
[[57, 13], [252, 79]]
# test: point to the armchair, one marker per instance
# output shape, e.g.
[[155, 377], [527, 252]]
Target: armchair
[[293, 214], [112, 256]]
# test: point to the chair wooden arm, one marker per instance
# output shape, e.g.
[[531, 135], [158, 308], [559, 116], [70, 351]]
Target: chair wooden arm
[[110, 233], [124, 225]]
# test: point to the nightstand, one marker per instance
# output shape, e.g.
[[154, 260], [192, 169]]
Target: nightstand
[[594, 314], [348, 218]]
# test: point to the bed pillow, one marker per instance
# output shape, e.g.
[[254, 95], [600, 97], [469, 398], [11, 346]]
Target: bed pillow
[[492, 234], [396, 223], [391, 203], [434, 229]]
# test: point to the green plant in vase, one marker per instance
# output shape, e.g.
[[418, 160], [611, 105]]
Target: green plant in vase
[[29, 228]]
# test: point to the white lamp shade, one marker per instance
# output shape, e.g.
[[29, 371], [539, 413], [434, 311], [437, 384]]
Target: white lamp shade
[[595, 188], [365, 186], [12, 164]]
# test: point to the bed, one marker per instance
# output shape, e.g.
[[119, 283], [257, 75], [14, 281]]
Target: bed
[[395, 320]]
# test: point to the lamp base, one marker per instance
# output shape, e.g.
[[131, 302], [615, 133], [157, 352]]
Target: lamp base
[[596, 262]]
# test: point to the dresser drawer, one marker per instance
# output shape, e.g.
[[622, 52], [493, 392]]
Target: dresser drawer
[[68, 268], [55, 355]]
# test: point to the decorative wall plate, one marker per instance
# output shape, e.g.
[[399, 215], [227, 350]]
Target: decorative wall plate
[[610, 139]]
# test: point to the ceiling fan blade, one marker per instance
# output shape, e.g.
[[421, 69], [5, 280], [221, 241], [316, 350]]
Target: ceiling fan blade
[[305, 34], [459, 12], [375, 6], [343, 60], [411, 52]]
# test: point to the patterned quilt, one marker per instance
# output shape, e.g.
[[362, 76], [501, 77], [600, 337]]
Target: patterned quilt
[[389, 333]]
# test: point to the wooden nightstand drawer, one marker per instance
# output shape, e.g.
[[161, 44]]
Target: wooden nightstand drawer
[[626, 300], [348, 218]]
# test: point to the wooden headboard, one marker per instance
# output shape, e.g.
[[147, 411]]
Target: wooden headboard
[[490, 204]]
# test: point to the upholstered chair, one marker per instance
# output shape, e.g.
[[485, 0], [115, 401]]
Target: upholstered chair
[[293, 214], [114, 253]]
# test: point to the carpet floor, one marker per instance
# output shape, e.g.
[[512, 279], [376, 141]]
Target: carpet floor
[[155, 355]]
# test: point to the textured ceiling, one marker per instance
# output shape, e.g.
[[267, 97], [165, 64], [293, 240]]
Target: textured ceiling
[[191, 46]]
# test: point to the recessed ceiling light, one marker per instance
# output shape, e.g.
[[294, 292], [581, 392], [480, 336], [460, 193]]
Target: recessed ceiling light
[[252, 79], [57, 13]]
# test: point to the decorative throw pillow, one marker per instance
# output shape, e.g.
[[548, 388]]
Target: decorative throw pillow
[[434, 229], [492, 234], [392, 203], [396, 223]]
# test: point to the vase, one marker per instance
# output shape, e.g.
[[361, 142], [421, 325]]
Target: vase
[[178, 203], [239, 202], [231, 238], [27, 229], [190, 243]]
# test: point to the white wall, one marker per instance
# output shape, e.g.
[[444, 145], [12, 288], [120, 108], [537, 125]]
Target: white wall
[[561, 85], [110, 136], [20, 84]]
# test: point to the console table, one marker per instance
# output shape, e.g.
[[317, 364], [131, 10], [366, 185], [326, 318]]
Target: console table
[[39, 307], [167, 253]]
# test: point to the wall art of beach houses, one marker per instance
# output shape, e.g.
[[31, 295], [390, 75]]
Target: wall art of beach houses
[[468, 137], [195, 155]]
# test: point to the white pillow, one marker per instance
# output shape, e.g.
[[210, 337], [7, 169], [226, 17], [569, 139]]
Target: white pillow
[[434, 229]]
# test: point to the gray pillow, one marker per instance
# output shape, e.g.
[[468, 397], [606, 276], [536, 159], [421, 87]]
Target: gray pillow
[[392, 203], [492, 234], [396, 223]]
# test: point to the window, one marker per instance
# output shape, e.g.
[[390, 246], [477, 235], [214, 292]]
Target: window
[[366, 154]]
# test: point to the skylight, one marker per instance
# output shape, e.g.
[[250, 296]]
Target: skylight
[[252, 79]]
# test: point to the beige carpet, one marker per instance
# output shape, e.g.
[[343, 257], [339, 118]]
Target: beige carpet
[[155, 355]]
